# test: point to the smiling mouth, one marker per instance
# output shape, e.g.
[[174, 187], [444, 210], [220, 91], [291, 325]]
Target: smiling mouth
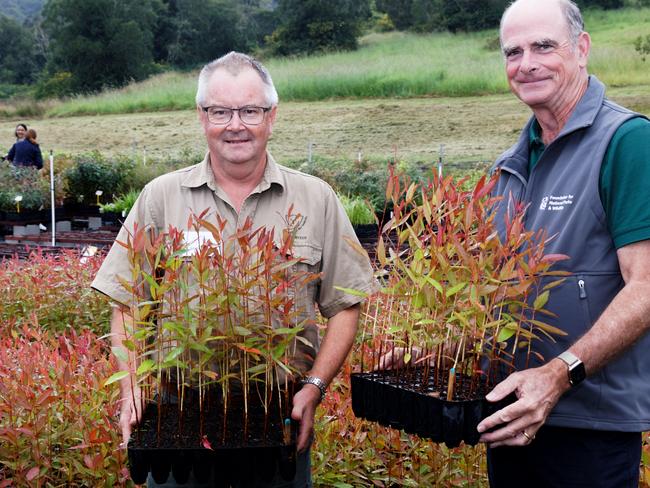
[[237, 141]]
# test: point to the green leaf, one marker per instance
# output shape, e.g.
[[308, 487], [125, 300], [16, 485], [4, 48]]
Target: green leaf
[[242, 331], [120, 353], [541, 300], [505, 334], [434, 283], [116, 377], [173, 354], [146, 366], [351, 291], [454, 289]]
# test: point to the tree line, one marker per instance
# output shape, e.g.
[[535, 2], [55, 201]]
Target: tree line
[[82, 46]]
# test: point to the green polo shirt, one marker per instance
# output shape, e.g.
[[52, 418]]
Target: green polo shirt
[[624, 179]]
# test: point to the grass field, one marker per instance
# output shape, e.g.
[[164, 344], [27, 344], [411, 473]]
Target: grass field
[[471, 128], [393, 64]]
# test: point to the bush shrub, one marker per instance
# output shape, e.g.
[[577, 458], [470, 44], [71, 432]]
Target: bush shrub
[[57, 422], [52, 292], [24, 181], [93, 172], [358, 210]]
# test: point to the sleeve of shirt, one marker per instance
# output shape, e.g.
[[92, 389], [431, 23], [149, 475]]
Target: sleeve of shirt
[[624, 183], [116, 267], [12, 153], [342, 265]]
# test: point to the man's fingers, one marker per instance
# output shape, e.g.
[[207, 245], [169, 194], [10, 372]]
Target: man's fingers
[[306, 424], [304, 436], [503, 389]]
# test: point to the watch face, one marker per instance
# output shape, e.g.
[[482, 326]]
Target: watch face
[[577, 373]]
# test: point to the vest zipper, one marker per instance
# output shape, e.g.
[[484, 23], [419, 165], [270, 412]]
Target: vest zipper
[[581, 287]]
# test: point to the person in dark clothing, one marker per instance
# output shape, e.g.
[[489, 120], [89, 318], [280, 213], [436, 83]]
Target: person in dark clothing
[[26, 152], [21, 130], [580, 168]]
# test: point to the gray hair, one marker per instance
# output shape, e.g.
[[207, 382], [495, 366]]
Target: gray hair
[[572, 16], [235, 63]]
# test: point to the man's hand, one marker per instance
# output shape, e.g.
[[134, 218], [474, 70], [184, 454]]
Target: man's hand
[[395, 357], [130, 413], [304, 408], [537, 391]]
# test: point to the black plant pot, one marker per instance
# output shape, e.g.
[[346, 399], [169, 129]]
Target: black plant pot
[[391, 400], [237, 457], [366, 231], [26, 216]]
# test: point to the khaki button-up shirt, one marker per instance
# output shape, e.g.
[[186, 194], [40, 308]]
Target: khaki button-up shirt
[[319, 240]]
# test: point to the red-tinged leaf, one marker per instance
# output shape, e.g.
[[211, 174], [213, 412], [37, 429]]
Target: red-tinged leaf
[[83, 445], [553, 258], [88, 461], [5, 484], [251, 350], [206, 443], [31, 474]]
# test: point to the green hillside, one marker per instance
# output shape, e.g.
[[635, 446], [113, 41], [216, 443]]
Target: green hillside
[[393, 64]]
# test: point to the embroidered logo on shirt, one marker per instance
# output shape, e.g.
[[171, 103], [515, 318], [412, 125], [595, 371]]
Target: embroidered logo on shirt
[[556, 203], [542, 206]]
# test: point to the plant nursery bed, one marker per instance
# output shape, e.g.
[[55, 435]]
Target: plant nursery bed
[[231, 452], [397, 399], [22, 251], [99, 238]]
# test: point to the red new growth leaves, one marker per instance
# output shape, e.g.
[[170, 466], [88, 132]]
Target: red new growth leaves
[[455, 290]]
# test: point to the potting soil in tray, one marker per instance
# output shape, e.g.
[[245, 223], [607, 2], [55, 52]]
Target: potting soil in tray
[[235, 458], [397, 400]]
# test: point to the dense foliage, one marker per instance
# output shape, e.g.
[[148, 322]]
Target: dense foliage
[[458, 15], [100, 42], [318, 25], [19, 58], [58, 423], [81, 46]]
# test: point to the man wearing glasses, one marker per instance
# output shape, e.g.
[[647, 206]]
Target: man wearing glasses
[[239, 180]]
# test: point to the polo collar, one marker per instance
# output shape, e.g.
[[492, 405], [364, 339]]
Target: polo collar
[[535, 135], [201, 174]]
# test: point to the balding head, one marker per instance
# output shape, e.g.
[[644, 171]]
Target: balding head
[[570, 12]]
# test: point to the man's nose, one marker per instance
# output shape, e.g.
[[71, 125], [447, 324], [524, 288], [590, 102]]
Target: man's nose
[[528, 63], [235, 123]]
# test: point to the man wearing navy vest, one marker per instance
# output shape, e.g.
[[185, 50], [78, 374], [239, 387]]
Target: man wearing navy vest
[[582, 167]]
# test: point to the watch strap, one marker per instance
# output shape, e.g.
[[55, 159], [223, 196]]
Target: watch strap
[[317, 382], [576, 369]]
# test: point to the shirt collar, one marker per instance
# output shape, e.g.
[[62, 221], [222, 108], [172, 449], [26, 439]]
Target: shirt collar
[[535, 136], [201, 174]]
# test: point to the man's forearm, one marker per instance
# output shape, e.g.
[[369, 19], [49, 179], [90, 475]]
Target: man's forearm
[[338, 340], [626, 318], [624, 321]]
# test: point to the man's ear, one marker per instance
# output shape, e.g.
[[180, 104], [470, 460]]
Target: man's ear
[[584, 47], [272, 113]]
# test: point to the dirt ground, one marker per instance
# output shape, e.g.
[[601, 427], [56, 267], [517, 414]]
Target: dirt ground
[[471, 129]]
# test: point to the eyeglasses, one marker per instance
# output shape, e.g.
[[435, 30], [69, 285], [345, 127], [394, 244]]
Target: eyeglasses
[[249, 115]]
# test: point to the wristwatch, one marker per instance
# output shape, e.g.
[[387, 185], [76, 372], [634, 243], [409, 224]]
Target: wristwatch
[[317, 382], [576, 367]]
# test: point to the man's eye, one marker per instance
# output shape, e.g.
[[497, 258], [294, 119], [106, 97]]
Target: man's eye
[[218, 112], [512, 53], [250, 110]]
